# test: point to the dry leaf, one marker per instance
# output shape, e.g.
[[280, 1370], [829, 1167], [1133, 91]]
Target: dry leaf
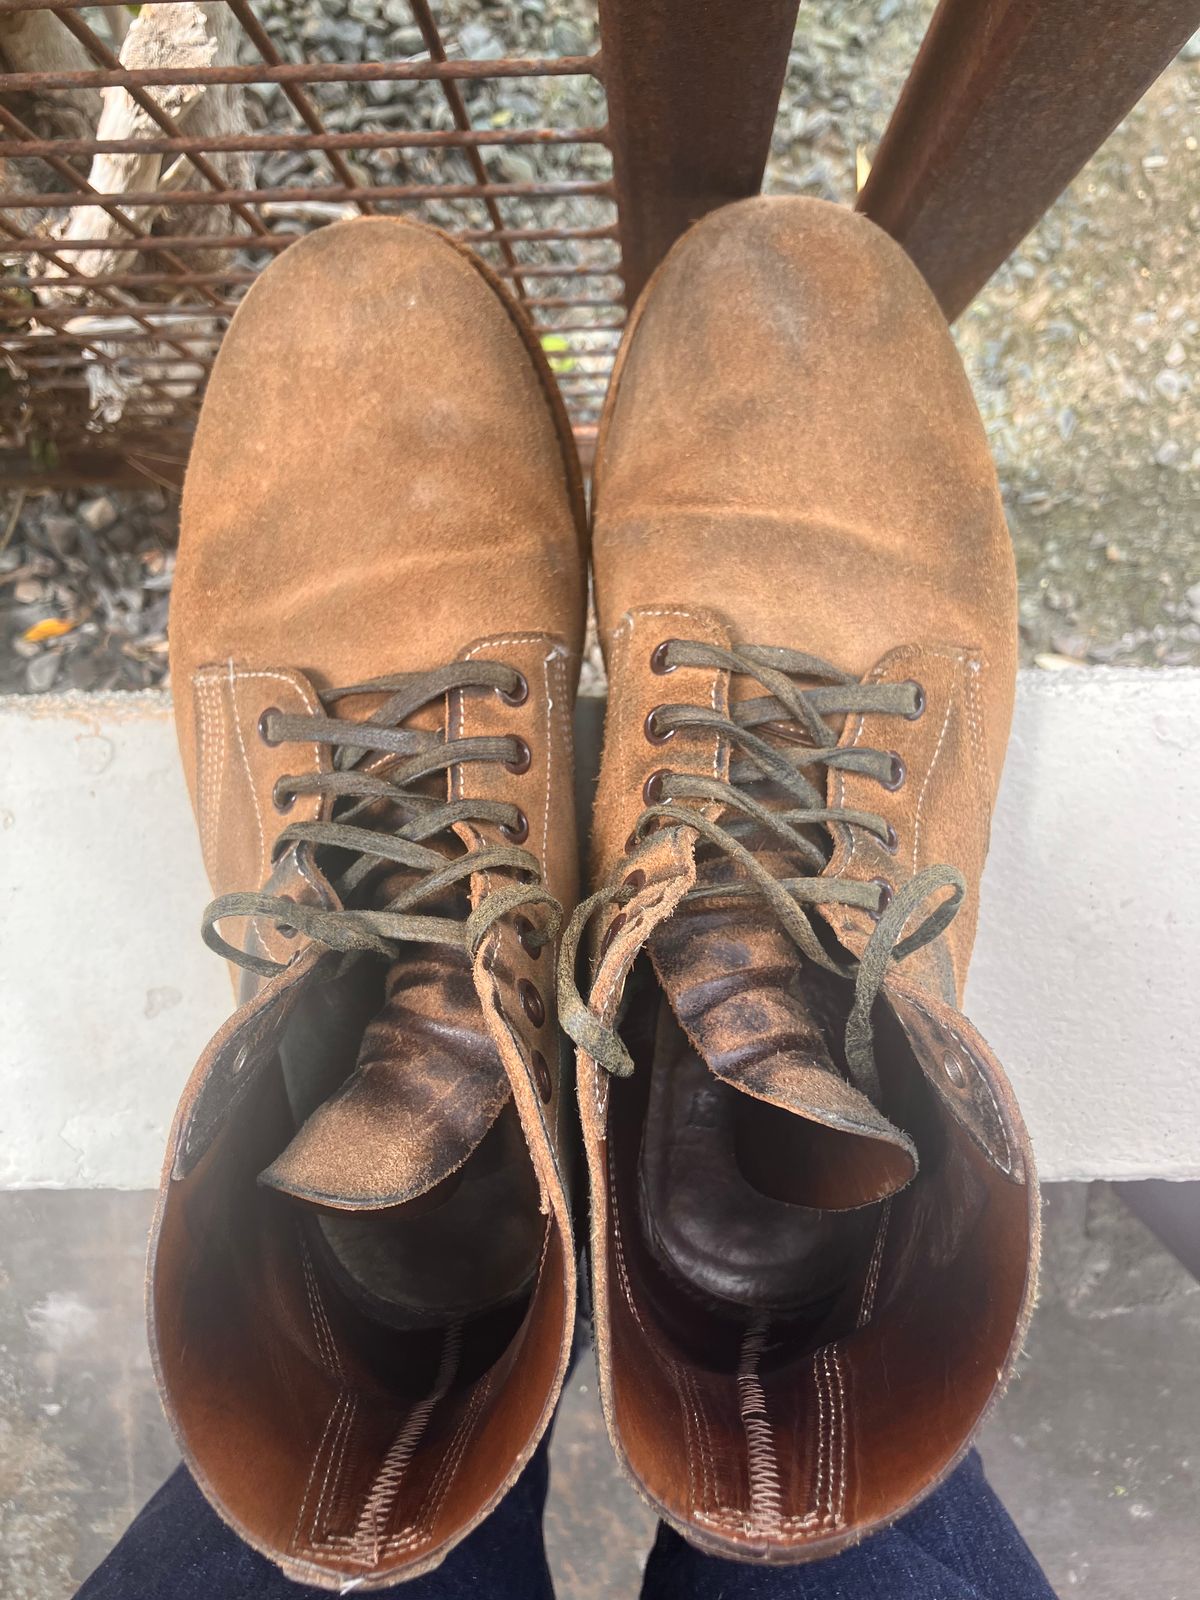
[[48, 628]]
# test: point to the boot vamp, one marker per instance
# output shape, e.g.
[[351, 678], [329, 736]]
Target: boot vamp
[[791, 438], [377, 482]]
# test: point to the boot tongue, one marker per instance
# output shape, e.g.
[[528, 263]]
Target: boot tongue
[[770, 1024], [427, 1084], [426, 1087]]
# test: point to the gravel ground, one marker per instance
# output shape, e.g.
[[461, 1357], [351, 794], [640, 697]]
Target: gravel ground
[[1083, 349]]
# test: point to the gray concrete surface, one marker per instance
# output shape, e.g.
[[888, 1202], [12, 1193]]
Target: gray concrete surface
[[1094, 1447]]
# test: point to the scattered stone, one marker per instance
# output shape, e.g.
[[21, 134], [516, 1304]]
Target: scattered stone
[[97, 515], [479, 43], [42, 671], [1051, 661]]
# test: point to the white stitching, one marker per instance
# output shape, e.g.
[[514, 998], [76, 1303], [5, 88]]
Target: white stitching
[[326, 1342], [929, 774], [209, 708], [820, 1470], [451, 1462], [334, 1411], [381, 1498], [236, 676], [838, 1481], [333, 1471], [461, 719], [762, 1467], [867, 1305], [237, 728]]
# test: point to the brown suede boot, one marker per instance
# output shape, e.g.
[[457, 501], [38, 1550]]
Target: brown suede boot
[[363, 1285], [814, 1212]]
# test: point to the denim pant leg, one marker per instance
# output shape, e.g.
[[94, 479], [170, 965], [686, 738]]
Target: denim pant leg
[[959, 1544], [179, 1549]]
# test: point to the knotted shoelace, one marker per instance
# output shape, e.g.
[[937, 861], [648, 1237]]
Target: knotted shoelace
[[795, 715], [379, 816]]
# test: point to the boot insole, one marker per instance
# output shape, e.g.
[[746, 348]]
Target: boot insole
[[470, 1246], [705, 1218]]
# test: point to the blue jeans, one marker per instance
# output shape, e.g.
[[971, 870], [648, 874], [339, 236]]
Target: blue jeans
[[958, 1545]]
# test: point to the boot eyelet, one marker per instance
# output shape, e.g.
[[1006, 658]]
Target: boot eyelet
[[886, 896], [953, 1068], [652, 789], [891, 841], [525, 933], [532, 1003], [263, 734], [655, 735], [919, 701], [541, 1075], [282, 798], [521, 760], [659, 664], [516, 831], [634, 881], [518, 694], [611, 932], [896, 774]]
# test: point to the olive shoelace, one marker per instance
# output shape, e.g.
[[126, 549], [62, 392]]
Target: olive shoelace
[[795, 715], [380, 815]]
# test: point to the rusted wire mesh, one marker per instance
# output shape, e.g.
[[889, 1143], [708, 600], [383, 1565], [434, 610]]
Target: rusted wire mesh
[[114, 300]]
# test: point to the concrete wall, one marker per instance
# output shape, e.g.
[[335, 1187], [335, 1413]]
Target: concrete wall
[[1086, 977]]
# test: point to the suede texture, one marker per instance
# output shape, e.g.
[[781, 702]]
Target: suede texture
[[383, 481], [790, 456]]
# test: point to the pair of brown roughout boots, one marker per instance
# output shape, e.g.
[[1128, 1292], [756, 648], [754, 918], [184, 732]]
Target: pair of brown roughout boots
[[813, 1209]]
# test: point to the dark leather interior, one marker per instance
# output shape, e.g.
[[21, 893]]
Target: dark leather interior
[[734, 1398], [319, 1397], [717, 1174]]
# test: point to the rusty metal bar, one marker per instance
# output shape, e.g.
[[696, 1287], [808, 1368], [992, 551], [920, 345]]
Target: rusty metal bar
[[72, 5], [692, 93], [233, 143], [307, 72], [171, 338], [135, 280], [281, 241], [196, 280], [1004, 104], [326, 192], [117, 336]]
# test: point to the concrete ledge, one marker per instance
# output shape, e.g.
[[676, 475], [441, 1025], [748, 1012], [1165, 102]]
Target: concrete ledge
[[1084, 977]]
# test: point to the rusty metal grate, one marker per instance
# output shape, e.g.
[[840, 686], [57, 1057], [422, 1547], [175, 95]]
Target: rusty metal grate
[[107, 340]]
